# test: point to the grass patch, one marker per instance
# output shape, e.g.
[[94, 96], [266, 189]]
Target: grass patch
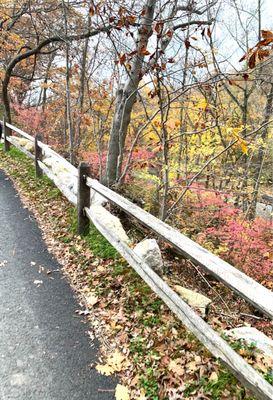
[[25, 171], [97, 243], [100, 246], [225, 385]]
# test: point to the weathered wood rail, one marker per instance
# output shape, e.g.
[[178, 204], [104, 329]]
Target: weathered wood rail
[[250, 290], [245, 286]]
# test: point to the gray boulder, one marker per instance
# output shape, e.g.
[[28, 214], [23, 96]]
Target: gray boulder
[[27, 144], [196, 300], [149, 251], [110, 222], [264, 211], [253, 336]]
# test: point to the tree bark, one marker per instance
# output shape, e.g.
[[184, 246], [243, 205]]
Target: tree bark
[[126, 98], [67, 92], [261, 154]]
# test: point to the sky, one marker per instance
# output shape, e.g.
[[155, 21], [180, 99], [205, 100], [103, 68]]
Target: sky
[[231, 37]]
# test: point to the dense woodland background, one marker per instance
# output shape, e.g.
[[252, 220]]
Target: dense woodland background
[[170, 102]]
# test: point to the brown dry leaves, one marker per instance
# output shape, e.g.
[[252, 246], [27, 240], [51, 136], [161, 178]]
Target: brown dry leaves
[[115, 362], [121, 310]]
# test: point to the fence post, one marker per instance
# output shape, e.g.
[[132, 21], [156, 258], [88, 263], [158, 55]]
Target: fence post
[[38, 155], [5, 134], [83, 198]]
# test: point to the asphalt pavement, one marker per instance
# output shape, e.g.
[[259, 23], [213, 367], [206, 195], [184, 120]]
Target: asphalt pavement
[[45, 352]]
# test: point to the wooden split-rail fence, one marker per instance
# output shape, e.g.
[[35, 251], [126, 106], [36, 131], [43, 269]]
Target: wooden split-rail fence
[[254, 293]]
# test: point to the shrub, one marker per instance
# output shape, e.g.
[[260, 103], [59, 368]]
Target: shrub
[[222, 228]]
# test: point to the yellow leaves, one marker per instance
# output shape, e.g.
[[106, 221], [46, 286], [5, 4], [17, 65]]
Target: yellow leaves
[[122, 392], [105, 369], [243, 146], [116, 360], [202, 104], [213, 377], [115, 363], [236, 131], [114, 325], [172, 124]]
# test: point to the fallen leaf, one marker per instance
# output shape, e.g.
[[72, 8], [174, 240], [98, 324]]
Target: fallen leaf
[[82, 312], [91, 299], [115, 363], [37, 282], [122, 393], [142, 395], [105, 369], [3, 263], [116, 360], [176, 368], [191, 366], [213, 377]]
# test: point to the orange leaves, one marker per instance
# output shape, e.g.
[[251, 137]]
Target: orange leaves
[[252, 60], [209, 32], [144, 52], [261, 51], [267, 37], [124, 19], [158, 28], [122, 58], [131, 19], [173, 123], [259, 54], [263, 54], [92, 11]]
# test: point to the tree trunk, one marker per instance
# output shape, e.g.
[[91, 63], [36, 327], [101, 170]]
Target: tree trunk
[[6, 101], [5, 98], [68, 94], [126, 98], [261, 154], [81, 95]]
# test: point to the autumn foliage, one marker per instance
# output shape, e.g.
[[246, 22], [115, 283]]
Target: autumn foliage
[[224, 230]]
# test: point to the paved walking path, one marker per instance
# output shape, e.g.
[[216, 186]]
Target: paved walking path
[[45, 352]]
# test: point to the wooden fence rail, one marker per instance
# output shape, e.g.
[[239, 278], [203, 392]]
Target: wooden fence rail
[[242, 284], [213, 342], [252, 291]]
